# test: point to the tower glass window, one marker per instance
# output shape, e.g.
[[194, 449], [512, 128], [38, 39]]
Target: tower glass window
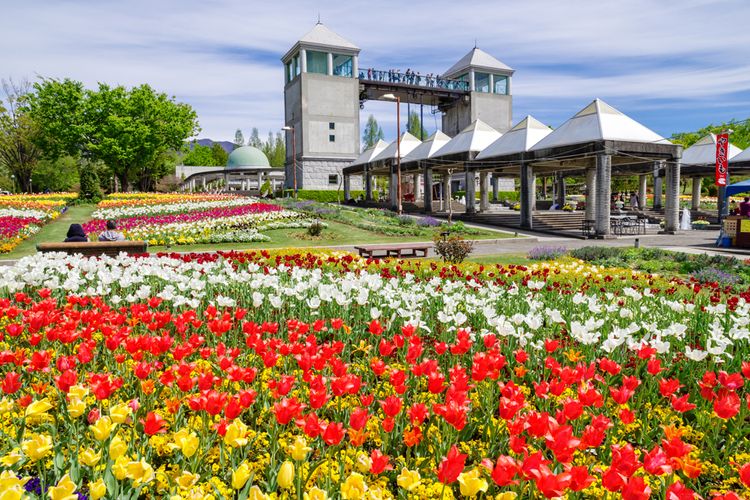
[[501, 85], [331, 126], [342, 65], [481, 82], [317, 62], [292, 68]]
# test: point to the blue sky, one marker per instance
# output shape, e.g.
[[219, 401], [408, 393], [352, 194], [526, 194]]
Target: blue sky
[[673, 65]]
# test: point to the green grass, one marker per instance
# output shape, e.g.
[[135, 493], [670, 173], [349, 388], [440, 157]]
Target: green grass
[[54, 231], [502, 259]]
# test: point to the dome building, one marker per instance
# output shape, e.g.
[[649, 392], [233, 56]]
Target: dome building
[[247, 156]]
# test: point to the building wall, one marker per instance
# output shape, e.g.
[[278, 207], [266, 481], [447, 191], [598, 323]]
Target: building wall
[[316, 172], [494, 109]]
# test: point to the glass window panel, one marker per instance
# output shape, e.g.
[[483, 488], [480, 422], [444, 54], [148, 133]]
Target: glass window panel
[[295, 65], [317, 62], [501, 84], [481, 82], [342, 65]]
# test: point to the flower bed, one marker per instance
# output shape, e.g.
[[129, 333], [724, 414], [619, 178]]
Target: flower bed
[[276, 373], [189, 219], [23, 215]]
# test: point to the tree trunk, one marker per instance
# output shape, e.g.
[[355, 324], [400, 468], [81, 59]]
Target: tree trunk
[[123, 178]]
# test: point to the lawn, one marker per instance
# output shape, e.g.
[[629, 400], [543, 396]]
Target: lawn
[[54, 231]]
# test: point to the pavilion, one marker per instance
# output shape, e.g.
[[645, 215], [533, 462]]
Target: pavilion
[[699, 161], [247, 169]]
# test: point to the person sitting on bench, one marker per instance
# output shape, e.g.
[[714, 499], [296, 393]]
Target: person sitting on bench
[[76, 234], [110, 234]]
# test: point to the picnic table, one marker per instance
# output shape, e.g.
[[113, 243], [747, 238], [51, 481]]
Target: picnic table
[[395, 250]]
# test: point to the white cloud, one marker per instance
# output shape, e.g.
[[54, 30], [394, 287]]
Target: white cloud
[[636, 50]]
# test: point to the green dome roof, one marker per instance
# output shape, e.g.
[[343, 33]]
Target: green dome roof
[[247, 156]]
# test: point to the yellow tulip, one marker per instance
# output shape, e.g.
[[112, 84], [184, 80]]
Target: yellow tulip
[[78, 392], [506, 495], [102, 428], [316, 493], [186, 480], [120, 468], [76, 408], [256, 494], [37, 447], [472, 483], [11, 487], [299, 449], [65, 490], [286, 474], [140, 472], [354, 487], [236, 434], [11, 458], [6, 406], [38, 408], [363, 462], [409, 479], [97, 489], [186, 441], [90, 457], [120, 413], [117, 448], [240, 476]]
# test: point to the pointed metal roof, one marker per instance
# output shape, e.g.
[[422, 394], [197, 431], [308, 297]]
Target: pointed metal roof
[[478, 59], [743, 156], [370, 153], [408, 144], [599, 122], [703, 152], [473, 139], [518, 139], [323, 35], [428, 148]]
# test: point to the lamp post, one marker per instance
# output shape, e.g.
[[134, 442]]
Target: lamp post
[[294, 157], [391, 97]]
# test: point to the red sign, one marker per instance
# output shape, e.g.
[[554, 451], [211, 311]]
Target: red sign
[[722, 152]]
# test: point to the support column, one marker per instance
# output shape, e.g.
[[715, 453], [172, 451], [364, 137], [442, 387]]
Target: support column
[[446, 191], [526, 181], [330, 64], [590, 194], [560, 191], [355, 66], [672, 195], [533, 193], [303, 61], [226, 182], [493, 181], [470, 191], [544, 187], [696, 193], [203, 182], [260, 181], [658, 181], [393, 190], [368, 185], [417, 187], [484, 192], [427, 189], [347, 186], [603, 194], [642, 191]]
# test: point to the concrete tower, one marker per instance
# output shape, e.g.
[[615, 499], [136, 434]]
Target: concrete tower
[[321, 101], [489, 100]]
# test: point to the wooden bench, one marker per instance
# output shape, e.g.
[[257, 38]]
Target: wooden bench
[[399, 250], [92, 248]]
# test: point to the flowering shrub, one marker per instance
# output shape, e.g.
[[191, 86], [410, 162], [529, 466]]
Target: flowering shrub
[[270, 375], [546, 253], [713, 275]]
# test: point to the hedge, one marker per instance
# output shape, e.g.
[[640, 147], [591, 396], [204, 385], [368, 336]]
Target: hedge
[[323, 196]]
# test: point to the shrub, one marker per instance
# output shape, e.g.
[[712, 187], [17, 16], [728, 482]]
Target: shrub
[[546, 253], [507, 195], [454, 249], [591, 254], [428, 222], [90, 190], [315, 229], [713, 275], [405, 220], [322, 196]]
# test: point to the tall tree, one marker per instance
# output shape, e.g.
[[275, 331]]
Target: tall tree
[[372, 134], [279, 151], [239, 139], [415, 127], [740, 136], [132, 131], [19, 152], [219, 155], [199, 156], [254, 140]]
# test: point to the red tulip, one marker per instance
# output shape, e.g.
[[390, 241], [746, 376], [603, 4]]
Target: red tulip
[[333, 433], [745, 474], [727, 404], [153, 424], [451, 466], [678, 491], [580, 479], [287, 410], [505, 471], [11, 383], [636, 489], [656, 462], [380, 462], [358, 418]]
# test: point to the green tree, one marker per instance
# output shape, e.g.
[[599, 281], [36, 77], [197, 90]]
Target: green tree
[[56, 175], [372, 134], [199, 156], [19, 152], [219, 155], [415, 127], [90, 189], [134, 132], [239, 139], [254, 140], [740, 136], [279, 151]]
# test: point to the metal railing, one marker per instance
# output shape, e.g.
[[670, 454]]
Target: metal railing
[[413, 78]]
